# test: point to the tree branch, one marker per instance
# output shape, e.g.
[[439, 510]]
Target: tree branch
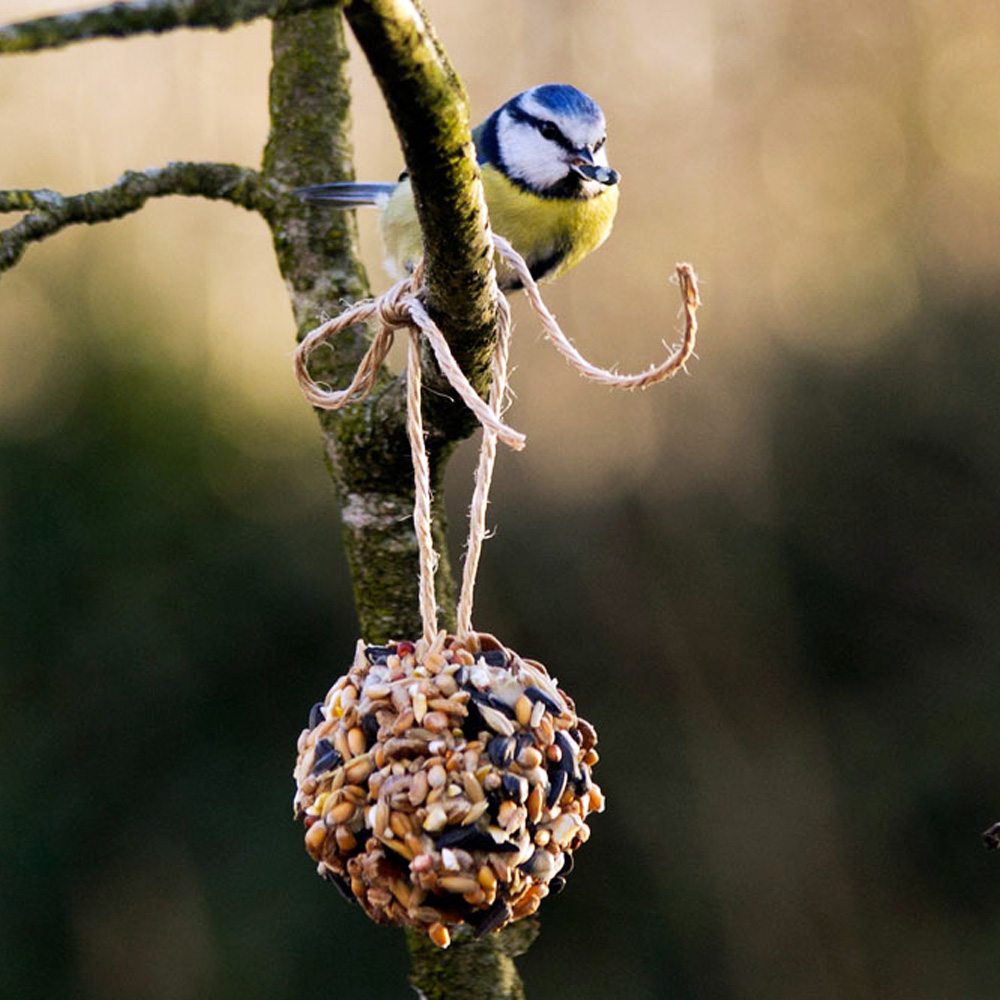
[[120, 20], [366, 445], [430, 110], [50, 212]]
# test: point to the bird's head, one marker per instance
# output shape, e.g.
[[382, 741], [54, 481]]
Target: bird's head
[[551, 139]]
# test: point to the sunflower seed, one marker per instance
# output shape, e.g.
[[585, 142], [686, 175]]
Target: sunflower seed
[[482, 698], [569, 752], [327, 758], [515, 787], [496, 916], [342, 885], [538, 695], [556, 788], [500, 750]]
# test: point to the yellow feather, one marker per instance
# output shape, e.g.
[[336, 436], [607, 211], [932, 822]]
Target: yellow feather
[[539, 228]]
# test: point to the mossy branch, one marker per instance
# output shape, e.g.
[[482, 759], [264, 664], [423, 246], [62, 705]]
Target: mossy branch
[[430, 110], [49, 212], [121, 20]]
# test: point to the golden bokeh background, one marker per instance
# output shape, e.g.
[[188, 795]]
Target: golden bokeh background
[[775, 580]]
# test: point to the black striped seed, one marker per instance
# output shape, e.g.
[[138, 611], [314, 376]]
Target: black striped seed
[[327, 757], [536, 694], [515, 787], [496, 916], [495, 658], [556, 885], [501, 750], [569, 752], [474, 723], [472, 839], [484, 698], [370, 727], [341, 884], [379, 654], [316, 715], [558, 779]]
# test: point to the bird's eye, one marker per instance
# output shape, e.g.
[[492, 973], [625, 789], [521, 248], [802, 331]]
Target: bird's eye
[[549, 131], [600, 142]]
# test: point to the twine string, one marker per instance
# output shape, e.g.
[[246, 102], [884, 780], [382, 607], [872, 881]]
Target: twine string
[[401, 307], [669, 367], [421, 489], [484, 472]]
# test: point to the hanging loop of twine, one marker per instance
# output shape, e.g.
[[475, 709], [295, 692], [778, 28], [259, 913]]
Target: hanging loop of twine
[[401, 307]]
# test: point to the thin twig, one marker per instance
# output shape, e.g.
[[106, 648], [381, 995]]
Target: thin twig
[[49, 212], [120, 20]]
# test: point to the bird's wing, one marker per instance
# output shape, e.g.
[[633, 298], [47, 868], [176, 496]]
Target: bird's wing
[[346, 194]]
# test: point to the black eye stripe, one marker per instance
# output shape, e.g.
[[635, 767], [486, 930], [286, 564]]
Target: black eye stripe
[[519, 114]]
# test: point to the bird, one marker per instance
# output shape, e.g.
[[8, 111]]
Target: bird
[[549, 189]]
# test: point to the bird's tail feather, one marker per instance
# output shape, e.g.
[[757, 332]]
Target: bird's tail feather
[[346, 194]]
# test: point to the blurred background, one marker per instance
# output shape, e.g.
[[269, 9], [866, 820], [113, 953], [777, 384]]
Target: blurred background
[[774, 585]]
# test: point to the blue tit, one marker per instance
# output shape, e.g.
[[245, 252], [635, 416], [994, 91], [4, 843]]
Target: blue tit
[[548, 185]]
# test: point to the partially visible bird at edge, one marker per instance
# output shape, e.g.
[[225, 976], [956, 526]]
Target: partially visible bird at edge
[[545, 172]]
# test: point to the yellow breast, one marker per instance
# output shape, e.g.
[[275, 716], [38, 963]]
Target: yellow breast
[[552, 234]]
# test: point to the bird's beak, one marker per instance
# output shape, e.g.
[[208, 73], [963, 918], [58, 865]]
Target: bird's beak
[[583, 164]]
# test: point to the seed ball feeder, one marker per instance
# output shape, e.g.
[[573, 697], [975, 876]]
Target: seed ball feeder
[[447, 781]]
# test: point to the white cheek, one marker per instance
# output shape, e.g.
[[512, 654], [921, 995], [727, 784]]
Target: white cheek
[[528, 156]]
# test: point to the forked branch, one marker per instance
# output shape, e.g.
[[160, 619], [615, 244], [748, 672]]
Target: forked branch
[[49, 212]]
